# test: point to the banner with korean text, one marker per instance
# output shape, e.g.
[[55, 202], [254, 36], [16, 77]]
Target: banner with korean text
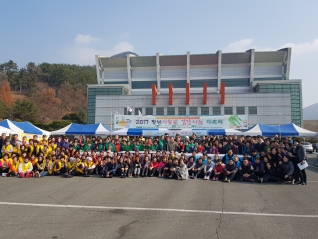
[[181, 122]]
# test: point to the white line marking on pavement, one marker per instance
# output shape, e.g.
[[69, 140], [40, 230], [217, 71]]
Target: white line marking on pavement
[[158, 209]]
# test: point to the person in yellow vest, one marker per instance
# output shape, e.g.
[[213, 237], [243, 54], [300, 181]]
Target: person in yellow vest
[[34, 160], [21, 158], [71, 168], [5, 164], [88, 167], [25, 169], [30, 147], [57, 167], [52, 145], [47, 151], [14, 167], [79, 167], [37, 148], [49, 164], [7, 148]]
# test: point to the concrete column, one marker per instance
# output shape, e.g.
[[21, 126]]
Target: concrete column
[[188, 67], [158, 71], [288, 63], [129, 71], [219, 69], [252, 66], [98, 70]]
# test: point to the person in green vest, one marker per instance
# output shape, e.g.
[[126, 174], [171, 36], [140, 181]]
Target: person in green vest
[[162, 143], [137, 146], [154, 146], [112, 145], [87, 147], [100, 145], [107, 143]]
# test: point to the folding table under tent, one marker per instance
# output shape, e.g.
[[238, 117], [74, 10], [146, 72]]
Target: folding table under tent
[[85, 129], [224, 132], [10, 125]]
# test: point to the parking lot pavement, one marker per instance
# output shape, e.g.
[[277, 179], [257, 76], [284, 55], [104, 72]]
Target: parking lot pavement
[[54, 207], [313, 159]]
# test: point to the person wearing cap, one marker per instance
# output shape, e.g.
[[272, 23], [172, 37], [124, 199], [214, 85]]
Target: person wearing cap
[[88, 167], [7, 148], [25, 169]]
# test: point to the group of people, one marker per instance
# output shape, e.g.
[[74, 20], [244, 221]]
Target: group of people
[[213, 158]]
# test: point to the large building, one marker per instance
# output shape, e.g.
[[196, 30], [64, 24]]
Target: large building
[[253, 84]]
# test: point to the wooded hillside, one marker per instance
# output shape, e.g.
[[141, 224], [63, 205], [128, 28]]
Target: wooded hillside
[[49, 95]]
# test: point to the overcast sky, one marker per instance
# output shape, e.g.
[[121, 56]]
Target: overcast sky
[[74, 31]]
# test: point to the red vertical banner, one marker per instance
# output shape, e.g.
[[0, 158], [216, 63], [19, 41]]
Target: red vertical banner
[[205, 91], [170, 94], [188, 93], [154, 94], [223, 93]]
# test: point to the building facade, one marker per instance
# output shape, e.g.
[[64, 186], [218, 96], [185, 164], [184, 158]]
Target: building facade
[[255, 84]]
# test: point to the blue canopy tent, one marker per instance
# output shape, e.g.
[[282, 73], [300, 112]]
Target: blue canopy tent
[[262, 129], [294, 130], [10, 125], [78, 129], [28, 128]]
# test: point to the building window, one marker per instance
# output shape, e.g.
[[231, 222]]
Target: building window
[[216, 111], [205, 111], [199, 83], [175, 84], [240, 110], [193, 111], [159, 111], [143, 84], [170, 111], [252, 110], [228, 110], [240, 82], [137, 111], [126, 112], [182, 111], [149, 111]]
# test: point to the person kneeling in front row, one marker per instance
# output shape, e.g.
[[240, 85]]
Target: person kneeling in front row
[[25, 169], [285, 170], [230, 171], [246, 171]]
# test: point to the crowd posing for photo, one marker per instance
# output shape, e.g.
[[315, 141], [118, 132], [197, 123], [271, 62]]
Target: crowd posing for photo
[[226, 158]]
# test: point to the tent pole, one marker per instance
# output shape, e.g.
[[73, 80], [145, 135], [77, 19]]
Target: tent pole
[[111, 123]]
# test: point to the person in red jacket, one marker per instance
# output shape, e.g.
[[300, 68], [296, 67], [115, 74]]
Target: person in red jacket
[[153, 167], [218, 170]]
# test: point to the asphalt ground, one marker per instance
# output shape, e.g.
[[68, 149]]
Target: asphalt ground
[[55, 207]]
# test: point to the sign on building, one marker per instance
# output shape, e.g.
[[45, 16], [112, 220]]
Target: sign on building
[[181, 122]]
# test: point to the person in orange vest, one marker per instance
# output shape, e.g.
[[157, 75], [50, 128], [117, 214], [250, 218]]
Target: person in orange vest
[[25, 169], [5, 163], [14, 166]]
